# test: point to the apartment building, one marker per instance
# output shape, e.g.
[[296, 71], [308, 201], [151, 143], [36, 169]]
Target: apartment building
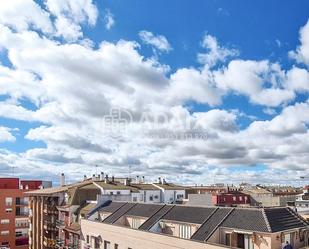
[[56, 212], [302, 203], [153, 226], [14, 222], [231, 199]]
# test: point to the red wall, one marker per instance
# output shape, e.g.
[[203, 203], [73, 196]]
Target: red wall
[[227, 199], [31, 184], [9, 183]]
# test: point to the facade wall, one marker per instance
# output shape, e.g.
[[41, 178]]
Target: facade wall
[[13, 214], [135, 239]]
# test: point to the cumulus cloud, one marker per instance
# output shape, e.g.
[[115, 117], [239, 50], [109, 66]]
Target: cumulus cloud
[[157, 41], [109, 19], [6, 135], [216, 53], [66, 89], [70, 14], [25, 14], [301, 54]]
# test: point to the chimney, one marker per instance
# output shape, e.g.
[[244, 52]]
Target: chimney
[[106, 178], [93, 177], [85, 177], [102, 176], [164, 182], [137, 179], [62, 180], [113, 179], [126, 182], [143, 179], [160, 181]]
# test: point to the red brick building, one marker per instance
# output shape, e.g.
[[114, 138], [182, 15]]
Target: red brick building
[[231, 199], [14, 221]]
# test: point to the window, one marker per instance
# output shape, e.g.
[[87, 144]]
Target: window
[[107, 245], [136, 223], [228, 239], [4, 232], [179, 196], [234, 198], [240, 198], [118, 192], [111, 193], [185, 231], [134, 199], [5, 221], [87, 239], [8, 201], [116, 246], [8, 210], [96, 242], [156, 196], [151, 198], [248, 242]]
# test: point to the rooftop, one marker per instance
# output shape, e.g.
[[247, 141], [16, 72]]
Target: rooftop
[[208, 219]]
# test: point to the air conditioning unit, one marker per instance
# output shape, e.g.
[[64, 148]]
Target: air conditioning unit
[[162, 225]]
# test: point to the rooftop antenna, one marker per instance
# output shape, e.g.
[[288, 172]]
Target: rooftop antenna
[[13, 170], [96, 169]]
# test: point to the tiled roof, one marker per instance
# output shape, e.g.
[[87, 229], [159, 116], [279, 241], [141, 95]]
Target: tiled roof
[[251, 219], [144, 210], [211, 224], [155, 218], [170, 186], [144, 186], [283, 219], [267, 220], [189, 214], [119, 213]]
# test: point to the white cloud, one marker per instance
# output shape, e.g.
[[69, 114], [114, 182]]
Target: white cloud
[[70, 14], [297, 79], [191, 84], [73, 85], [302, 52], [216, 52], [25, 14], [250, 77], [157, 41], [109, 20], [6, 135]]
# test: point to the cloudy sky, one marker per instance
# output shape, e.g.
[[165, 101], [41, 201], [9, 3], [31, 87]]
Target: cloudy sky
[[196, 92]]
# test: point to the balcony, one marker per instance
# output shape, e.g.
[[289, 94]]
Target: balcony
[[49, 242], [60, 223], [50, 226], [21, 213]]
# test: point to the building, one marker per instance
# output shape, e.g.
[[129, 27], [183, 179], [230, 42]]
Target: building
[[14, 222], [212, 189], [155, 226], [56, 212], [302, 203], [231, 199], [271, 197]]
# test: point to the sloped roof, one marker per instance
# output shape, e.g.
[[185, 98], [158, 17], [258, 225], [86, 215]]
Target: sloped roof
[[170, 186], [144, 210], [268, 220], [251, 219], [188, 214]]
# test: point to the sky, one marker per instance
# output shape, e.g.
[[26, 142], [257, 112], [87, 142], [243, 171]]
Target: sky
[[197, 92]]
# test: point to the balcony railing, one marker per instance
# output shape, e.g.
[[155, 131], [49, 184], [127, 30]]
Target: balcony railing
[[22, 213], [59, 223]]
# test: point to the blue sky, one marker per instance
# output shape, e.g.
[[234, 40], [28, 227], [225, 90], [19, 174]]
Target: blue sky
[[236, 70]]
